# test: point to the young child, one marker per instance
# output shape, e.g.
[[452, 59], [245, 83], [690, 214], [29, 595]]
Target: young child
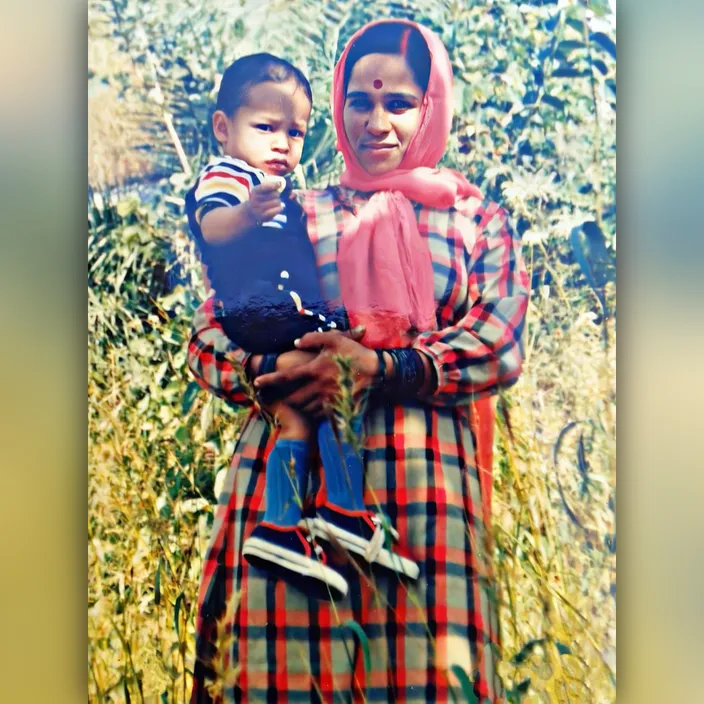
[[253, 241]]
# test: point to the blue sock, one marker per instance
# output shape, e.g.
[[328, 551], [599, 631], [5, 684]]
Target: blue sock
[[285, 490], [344, 471]]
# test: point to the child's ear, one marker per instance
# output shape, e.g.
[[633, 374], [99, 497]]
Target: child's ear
[[220, 126]]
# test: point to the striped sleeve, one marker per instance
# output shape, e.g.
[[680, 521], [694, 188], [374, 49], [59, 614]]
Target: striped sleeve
[[216, 363], [222, 183], [483, 350]]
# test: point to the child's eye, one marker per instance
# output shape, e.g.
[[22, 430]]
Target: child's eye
[[264, 128], [296, 133]]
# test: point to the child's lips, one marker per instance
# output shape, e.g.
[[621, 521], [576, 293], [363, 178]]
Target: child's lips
[[278, 166]]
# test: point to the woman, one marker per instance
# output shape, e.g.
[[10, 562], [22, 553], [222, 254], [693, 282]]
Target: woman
[[417, 244]]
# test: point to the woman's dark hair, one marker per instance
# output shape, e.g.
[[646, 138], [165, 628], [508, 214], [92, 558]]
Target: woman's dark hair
[[392, 38], [251, 70]]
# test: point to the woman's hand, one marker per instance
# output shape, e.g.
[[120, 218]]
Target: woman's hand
[[320, 377], [293, 359]]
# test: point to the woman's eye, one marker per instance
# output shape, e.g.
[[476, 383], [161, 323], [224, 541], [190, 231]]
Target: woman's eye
[[399, 105], [360, 104], [264, 128]]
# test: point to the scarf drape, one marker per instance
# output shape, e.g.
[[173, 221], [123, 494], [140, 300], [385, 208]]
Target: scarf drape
[[384, 264]]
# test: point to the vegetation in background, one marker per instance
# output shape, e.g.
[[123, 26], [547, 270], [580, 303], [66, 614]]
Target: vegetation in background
[[535, 129]]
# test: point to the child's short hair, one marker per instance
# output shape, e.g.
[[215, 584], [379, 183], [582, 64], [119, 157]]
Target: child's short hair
[[251, 70]]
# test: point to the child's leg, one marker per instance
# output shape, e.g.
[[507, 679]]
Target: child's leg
[[344, 519], [344, 471], [277, 545], [287, 468]]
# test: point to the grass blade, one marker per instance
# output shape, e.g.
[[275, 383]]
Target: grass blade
[[177, 609], [157, 582], [466, 684], [363, 641]]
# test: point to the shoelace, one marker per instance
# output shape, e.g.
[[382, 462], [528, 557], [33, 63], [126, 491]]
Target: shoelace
[[376, 543], [320, 553]]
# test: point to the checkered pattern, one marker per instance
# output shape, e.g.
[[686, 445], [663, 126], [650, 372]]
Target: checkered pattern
[[420, 469]]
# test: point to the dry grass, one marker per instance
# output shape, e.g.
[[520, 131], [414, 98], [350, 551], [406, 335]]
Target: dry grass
[[115, 123], [553, 577], [152, 466]]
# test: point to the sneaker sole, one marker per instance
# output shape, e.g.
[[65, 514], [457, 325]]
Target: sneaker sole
[[353, 543], [292, 561]]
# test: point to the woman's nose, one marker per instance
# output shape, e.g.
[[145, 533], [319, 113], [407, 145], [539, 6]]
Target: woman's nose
[[378, 122]]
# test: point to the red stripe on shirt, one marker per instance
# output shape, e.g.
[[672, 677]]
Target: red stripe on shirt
[[225, 174]]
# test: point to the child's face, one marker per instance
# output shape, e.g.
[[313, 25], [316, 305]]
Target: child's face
[[267, 132]]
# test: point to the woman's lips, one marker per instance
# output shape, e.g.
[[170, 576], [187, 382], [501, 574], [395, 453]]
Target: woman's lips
[[378, 151]]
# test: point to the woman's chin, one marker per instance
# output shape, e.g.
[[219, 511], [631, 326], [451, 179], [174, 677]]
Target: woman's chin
[[377, 166]]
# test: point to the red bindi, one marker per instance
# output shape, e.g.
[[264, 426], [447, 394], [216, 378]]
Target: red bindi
[[378, 84]]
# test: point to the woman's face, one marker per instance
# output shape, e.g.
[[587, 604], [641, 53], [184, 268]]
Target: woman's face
[[382, 111]]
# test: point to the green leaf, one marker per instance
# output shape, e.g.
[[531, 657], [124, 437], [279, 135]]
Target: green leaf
[[127, 207], [182, 435], [189, 396], [605, 42], [576, 24], [593, 256], [568, 46], [600, 8], [566, 72], [135, 233], [363, 641], [514, 695], [553, 101], [600, 66], [526, 651], [466, 684], [562, 649], [177, 609], [157, 582]]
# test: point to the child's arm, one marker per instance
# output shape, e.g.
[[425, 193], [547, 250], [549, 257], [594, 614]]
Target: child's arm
[[222, 224], [206, 279]]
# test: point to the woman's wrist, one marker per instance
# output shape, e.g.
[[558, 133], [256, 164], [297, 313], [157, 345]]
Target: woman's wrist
[[404, 373]]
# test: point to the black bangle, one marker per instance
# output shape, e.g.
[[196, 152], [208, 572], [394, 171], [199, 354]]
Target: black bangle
[[408, 376], [380, 379]]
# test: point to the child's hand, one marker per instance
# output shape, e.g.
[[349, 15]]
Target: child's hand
[[264, 202]]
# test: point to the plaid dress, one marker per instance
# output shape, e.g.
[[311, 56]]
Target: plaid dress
[[419, 467]]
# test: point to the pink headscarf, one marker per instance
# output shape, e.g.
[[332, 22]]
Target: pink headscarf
[[384, 264]]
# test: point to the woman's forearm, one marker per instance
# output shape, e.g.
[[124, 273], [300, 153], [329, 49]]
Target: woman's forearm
[[215, 362], [482, 351]]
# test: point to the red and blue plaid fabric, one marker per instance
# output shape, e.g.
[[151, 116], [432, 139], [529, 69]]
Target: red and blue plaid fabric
[[420, 469]]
